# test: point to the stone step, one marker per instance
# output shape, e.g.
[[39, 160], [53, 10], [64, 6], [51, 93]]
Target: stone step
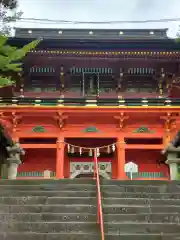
[[50, 236], [29, 200], [127, 209], [92, 187], [86, 236], [48, 217], [63, 208], [143, 237], [140, 182], [107, 209], [140, 201], [47, 193], [49, 187], [50, 227], [143, 189], [38, 182], [69, 193], [155, 218], [80, 227], [138, 195], [48, 181], [143, 228], [82, 217]]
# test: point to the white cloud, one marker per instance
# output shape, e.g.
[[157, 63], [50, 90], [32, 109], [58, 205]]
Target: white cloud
[[102, 10]]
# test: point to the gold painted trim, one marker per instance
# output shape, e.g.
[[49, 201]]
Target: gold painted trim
[[138, 53], [128, 107]]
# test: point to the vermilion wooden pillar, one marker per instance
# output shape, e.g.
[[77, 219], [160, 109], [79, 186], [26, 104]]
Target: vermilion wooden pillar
[[121, 160], [60, 159]]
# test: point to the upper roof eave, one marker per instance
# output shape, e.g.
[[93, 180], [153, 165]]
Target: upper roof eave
[[89, 43], [95, 34]]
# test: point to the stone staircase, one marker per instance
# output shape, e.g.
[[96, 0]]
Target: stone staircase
[[48, 210], [66, 209], [141, 210]]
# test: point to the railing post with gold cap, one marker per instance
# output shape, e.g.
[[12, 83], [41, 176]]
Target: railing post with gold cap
[[121, 159], [60, 159]]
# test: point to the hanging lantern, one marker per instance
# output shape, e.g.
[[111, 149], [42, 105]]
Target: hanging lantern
[[90, 152], [68, 147], [97, 152], [72, 149], [80, 151], [108, 150], [113, 148]]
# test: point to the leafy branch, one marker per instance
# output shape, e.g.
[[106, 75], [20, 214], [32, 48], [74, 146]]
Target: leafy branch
[[9, 59]]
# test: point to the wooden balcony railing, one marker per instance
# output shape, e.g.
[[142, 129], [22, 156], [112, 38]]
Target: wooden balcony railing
[[130, 102], [100, 220]]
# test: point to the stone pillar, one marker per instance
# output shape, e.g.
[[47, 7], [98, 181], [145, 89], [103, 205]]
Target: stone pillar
[[173, 171], [171, 161], [12, 171], [60, 159], [4, 171], [121, 159], [14, 159]]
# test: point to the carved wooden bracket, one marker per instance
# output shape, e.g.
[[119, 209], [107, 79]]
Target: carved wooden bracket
[[15, 121], [169, 125], [169, 122], [121, 120], [60, 119]]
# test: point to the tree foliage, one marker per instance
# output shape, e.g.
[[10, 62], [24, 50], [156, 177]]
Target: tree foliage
[[9, 59], [8, 15]]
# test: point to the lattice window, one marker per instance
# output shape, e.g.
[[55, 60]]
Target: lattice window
[[141, 71], [77, 70], [42, 70]]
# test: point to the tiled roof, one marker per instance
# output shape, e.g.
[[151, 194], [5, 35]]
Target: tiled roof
[[94, 34]]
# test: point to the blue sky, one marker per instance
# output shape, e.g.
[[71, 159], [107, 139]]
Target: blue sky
[[102, 10]]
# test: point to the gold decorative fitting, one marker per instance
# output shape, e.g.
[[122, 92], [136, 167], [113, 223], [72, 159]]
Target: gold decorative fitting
[[97, 152], [113, 148], [68, 147], [72, 150], [80, 151]]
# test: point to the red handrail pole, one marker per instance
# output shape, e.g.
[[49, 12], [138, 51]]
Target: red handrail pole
[[99, 204]]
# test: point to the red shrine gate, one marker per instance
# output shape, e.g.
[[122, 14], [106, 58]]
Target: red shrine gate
[[63, 145]]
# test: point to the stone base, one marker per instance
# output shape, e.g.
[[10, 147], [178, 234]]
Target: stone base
[[9, 171]]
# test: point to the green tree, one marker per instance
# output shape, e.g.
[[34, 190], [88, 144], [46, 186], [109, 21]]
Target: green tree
[[9, 60], [8, 15]]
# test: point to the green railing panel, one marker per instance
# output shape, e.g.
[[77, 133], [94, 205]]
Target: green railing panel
[[53, 174], [146, 175], [30, 174]]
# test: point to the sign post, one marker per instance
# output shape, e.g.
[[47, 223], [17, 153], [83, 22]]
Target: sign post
[[131, 168]]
